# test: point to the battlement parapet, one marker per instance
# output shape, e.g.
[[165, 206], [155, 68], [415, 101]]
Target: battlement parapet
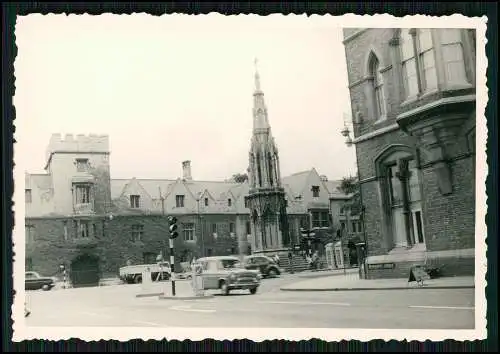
[[78, 143]]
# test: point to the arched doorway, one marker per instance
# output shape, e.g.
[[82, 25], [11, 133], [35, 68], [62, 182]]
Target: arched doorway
[[85, 271]]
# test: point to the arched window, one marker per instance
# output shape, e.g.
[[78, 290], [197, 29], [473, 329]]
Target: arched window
[[378, 88], [259, 171], [254, 222], [271, 169], [401, 205]]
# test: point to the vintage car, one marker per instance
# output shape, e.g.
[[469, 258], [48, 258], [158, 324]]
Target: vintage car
[[34, 281], [266, 265], [133, 273], [227, 273]]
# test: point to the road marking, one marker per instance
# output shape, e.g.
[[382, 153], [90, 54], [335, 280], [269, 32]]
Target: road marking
[[444, 307], [94, 314], [150, 323], [189, 309], [306, 303]]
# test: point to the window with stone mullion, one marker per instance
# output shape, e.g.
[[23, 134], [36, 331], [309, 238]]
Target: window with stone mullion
[[426, 59], [453, 56], [409, 64]]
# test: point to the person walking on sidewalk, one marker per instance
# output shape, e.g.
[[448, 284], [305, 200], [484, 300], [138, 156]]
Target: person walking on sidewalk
[[290, 261]]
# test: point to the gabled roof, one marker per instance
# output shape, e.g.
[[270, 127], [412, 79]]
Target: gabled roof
[[296, 183]]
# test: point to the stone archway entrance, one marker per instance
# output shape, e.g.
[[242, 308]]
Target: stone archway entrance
[[85, 271]]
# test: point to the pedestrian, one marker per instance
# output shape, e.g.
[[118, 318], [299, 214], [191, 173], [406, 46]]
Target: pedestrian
[[290, 259]]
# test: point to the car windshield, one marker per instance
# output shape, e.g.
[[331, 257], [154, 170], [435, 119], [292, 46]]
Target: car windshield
[[230, 263]]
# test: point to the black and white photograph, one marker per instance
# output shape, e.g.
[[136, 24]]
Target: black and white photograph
[[260, 177]]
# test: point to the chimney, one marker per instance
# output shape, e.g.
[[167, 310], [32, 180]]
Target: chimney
[[186, 170]]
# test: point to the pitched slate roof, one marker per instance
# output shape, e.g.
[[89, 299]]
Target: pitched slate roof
[[296, 182], [218, 192]]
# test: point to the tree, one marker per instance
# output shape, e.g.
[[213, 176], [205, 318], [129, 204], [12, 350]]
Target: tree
[[350, 187], [240, 177]]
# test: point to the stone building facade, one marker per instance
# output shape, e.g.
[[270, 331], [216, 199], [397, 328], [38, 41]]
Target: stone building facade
[[413, 100], [77, 216]]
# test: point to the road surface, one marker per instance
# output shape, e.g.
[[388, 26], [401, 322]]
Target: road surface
[[270, 307]]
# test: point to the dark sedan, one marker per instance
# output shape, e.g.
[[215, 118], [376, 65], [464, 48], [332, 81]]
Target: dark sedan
[[266, 265], [34, 281]]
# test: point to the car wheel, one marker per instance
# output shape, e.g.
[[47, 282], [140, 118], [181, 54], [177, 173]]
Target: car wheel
[[45, 287], [224, 288], [138, 279], [253, 291], [272, 273]]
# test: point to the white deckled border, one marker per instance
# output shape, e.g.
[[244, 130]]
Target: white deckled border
[[22, 332]]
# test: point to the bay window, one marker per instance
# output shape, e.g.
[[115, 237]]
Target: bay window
[[421, 48]]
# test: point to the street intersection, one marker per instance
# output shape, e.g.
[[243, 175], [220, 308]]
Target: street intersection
[[117, 305]]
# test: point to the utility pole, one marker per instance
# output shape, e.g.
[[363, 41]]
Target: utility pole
[[347, 211]]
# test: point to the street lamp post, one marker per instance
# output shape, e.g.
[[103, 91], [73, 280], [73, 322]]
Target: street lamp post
[[346, 133]]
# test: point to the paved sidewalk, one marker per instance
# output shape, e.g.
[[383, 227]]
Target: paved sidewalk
[[352, 282], [326, 273]]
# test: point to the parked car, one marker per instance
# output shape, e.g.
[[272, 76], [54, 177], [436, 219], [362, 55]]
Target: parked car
[[34, 281], [266, 265], [227, 273], [133, 273]]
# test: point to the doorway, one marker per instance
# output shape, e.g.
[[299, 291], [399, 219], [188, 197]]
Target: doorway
[[85, 271]]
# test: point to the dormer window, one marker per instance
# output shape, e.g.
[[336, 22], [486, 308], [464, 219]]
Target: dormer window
[[179, 201], [229, 202], [135, 201], [206, 201], [315, 191], [82, 165]]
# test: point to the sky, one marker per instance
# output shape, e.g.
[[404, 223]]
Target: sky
[[174, 88]]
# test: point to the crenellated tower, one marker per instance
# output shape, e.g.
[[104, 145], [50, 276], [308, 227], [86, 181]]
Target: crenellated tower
[[266, 199]]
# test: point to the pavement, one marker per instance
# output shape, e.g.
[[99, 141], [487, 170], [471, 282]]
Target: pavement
[[118, 306], [351, 281]]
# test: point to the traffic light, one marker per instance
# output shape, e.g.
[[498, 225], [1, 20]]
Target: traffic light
[[172, 221]]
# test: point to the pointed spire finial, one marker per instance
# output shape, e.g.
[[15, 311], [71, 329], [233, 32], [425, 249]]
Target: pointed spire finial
[[257, 77]]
